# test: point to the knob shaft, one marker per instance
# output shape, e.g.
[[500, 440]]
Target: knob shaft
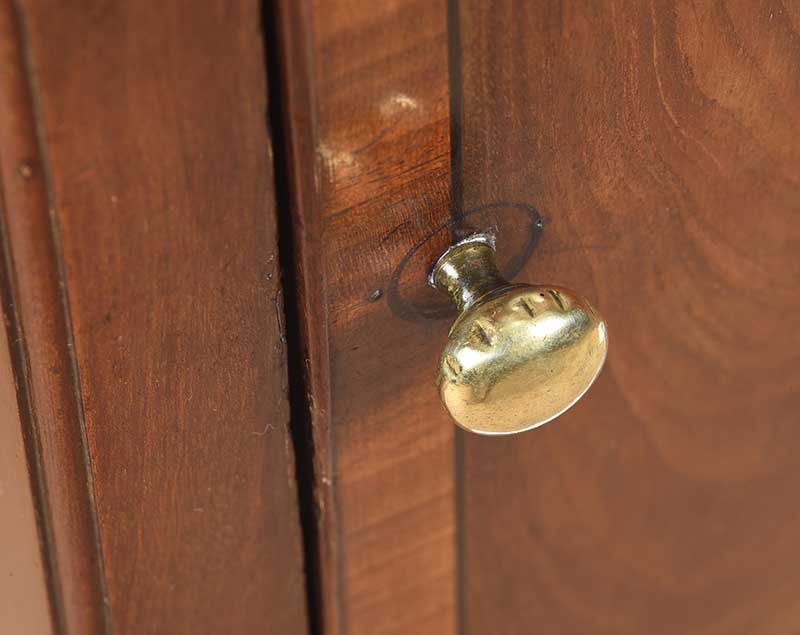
[[518, 355]]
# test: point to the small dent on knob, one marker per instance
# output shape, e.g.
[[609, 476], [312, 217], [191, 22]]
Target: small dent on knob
[[451, 367], [482, 334], [558, 298], [526, 304]]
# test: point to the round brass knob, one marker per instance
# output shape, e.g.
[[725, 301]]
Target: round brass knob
[[518, 355]]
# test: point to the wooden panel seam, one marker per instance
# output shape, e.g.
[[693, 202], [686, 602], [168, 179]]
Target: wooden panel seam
[[294, 50], [456, 104]]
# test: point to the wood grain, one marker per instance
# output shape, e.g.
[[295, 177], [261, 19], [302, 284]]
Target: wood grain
[[368, 143], [40, 345], [659, 141], [158, 162]]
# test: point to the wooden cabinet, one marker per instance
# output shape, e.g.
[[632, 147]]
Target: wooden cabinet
[[219, 408]]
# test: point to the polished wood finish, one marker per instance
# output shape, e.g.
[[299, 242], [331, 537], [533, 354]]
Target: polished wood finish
[[158, 266], [367, 129], [659, 142], [644, 154], [40, 344]]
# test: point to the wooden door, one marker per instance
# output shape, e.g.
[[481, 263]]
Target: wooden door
[[659, 141], [143, 302], [645, 154]]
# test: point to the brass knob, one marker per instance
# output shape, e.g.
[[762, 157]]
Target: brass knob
[[518, 355]]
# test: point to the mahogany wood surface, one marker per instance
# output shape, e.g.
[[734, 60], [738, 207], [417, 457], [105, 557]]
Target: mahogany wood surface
[[367, 132], [659, 142], [141, 230], [644, 154], [40, 350]]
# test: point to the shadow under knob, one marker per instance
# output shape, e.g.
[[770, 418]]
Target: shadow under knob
[[518, 355]]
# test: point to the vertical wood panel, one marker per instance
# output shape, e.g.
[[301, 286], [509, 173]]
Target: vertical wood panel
[[45, 381], [659, 141], [368, 132], [153, 121]]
